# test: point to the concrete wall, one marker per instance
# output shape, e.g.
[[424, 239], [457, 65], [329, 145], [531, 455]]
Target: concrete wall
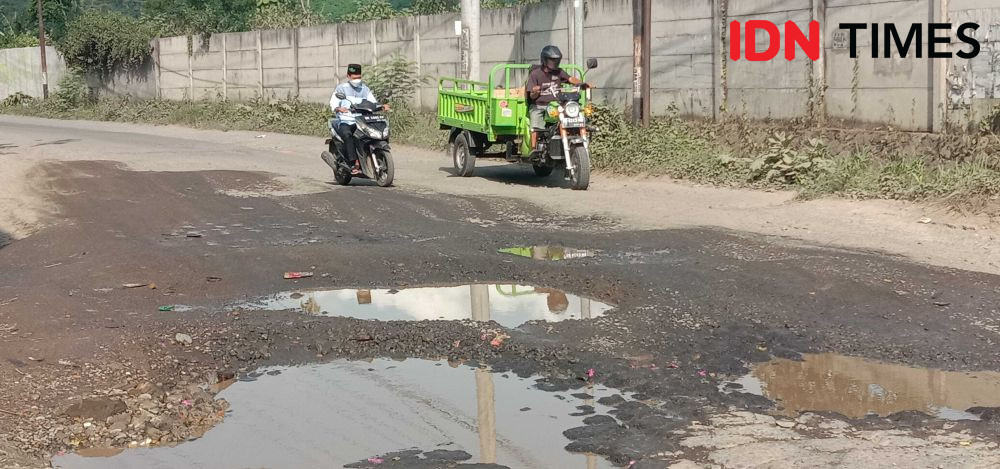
[[691, 67], [682, 57], [972, 86], [21, 70]]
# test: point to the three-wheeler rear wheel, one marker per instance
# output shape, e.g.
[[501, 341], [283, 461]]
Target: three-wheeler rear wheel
[[462, 155]]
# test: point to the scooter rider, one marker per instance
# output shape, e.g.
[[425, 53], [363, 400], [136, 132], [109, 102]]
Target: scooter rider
[[543, 85], [355, 91]]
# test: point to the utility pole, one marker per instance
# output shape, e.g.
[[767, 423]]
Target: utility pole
[[637, 71], [647, 65], [470, 39], [578, 32], [641, 103], [41, 48]]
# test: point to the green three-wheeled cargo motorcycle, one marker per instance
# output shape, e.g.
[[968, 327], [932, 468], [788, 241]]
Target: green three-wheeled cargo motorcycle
[[480, 115]]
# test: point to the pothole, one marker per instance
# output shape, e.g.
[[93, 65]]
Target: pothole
[[343, 413], [855, 388], [508, 305], [548, 253]]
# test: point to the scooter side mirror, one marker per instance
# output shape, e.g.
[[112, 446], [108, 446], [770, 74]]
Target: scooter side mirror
[[591, 63], [341, 95]]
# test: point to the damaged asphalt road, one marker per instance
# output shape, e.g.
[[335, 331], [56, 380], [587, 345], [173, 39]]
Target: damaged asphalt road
[[692, 309]]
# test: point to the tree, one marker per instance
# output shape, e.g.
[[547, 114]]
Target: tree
[[370, 10], [280, 14], [104, 42], [183, 17], [432, 7]]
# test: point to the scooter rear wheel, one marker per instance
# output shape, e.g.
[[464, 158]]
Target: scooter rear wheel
[[342, 176]]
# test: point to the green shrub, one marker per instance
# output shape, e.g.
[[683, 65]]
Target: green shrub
[[282, 14], [103, 42], [72, 92], [17, 99], [370, 10], [10, 40]]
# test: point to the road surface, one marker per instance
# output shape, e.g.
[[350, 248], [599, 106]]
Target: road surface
[[702, 284]]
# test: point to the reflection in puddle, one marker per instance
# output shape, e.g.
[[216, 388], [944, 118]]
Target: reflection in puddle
[[547, 253], [856, 387], [339, 413], [100, 452], [508, 305]]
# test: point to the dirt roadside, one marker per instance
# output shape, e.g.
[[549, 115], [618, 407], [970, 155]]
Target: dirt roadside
[[923, 233]]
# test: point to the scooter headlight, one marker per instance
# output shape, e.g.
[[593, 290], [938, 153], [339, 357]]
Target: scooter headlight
[[572, 109], [369, 131]]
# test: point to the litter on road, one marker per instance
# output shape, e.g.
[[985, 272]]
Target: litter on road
[[294, 275]]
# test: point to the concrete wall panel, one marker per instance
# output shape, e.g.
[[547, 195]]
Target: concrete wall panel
[[356, 53], [321, 56], [277, 38], [314, 36], [612, 12], [497, 48], [278, 58], [682, 37], [438, 51], [608, 41], [241, 60]]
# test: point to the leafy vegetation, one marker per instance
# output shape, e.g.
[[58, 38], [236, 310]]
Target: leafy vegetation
[[279, 14], [71, 93], [105, 42], [783, 162]]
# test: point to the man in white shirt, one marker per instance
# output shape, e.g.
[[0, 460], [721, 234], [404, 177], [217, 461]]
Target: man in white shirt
[[355, 91]]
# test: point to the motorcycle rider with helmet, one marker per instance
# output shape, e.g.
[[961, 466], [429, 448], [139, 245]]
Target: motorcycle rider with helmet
[[355, 91], [544, 82]]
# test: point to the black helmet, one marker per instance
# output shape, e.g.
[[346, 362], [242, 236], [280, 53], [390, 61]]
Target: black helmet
[[551, 57]]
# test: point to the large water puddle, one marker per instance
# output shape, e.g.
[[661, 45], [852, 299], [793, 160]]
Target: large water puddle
[[548, 253], [856, 387], [508, 305], [340, 413]]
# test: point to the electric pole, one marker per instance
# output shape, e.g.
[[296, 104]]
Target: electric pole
[[578, 32], [470, 39], [641, 31], [41, 48]]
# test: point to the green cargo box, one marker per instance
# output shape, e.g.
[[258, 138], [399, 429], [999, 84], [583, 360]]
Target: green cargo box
[[498, 113]]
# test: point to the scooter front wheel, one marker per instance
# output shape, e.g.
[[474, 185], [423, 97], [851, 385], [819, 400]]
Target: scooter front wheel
[[387, 171]]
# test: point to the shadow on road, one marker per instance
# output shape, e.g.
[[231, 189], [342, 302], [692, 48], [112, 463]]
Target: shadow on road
[[57, 142], [519, 174], [4, 147], [5, 238]]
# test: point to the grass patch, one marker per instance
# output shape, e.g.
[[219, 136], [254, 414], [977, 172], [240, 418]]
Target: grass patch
[[738, 155]]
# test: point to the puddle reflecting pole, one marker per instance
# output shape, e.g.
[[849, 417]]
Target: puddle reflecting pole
[[591, 457], [584, 308], [486, 417], [480, 302]]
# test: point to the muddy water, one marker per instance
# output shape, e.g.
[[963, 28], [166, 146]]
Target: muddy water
[[856, 387], [508, 305], [548, 253], [343, 412]]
